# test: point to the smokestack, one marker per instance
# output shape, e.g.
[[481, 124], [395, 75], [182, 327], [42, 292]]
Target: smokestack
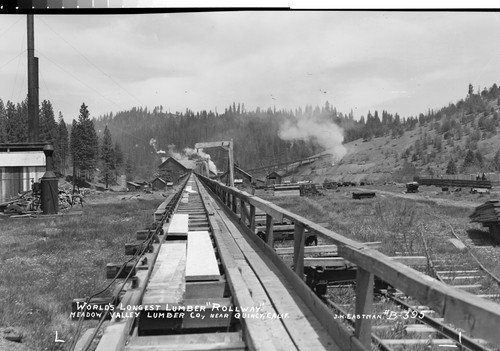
[[50, 190], [32, 84]]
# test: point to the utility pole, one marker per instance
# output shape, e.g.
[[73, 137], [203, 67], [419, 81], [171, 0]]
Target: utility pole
[[32, 83]]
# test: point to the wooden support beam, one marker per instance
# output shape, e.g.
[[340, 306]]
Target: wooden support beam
[[112, 270], [320, 249], [298, 249], [341, 262], [243, 212], [136, 248], [364, 306], [143, 234], [252, 217], [234, 203], [269, 230]]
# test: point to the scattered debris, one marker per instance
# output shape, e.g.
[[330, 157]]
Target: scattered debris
[[363, 195]]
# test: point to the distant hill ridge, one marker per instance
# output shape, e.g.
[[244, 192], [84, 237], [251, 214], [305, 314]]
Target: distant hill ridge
[[380, 145]]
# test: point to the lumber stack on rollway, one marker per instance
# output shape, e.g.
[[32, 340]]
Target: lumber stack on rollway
[[489, 212]]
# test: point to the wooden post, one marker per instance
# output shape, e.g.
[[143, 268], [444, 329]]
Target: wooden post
[[234, 203], [364, 305], [252, 218], [244, 212], [269, 230], [298, 249], [231, 164]]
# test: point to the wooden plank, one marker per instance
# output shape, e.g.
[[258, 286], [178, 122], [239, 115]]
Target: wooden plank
[[332, 249], [342, 335], [206, 289], [167, 285], [302, 326], [201, 262], [341, 262], [178, 224], [364, 306], [458, 244], [116, 333], [83, 340], [480, 318], [216, 315], [269, 230], [418, 342], [188, 342], [266, 334]]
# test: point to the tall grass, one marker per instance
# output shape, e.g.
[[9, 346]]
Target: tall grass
[[49, 262]]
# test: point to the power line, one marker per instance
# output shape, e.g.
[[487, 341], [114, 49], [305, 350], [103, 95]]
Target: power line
[[13, 59], [81, 82], [91, 63], [12, 25]]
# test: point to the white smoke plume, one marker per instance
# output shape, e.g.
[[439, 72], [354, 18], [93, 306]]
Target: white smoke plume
[[200, 154], [326, 133], [154, 144]]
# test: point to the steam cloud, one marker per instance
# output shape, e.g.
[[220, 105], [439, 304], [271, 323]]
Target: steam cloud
[[326, 133], [200, 154], [188, 154], [154, 144]]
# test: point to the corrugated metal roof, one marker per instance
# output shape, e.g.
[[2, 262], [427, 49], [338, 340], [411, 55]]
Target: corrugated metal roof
[[22, 159]]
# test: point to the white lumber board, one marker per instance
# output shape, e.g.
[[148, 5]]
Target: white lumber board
[[458, 244], [340, 262], [167, 283], [179, 224], [201, 263], [321, 248]]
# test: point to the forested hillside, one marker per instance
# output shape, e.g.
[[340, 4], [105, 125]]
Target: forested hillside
[[461, 137]]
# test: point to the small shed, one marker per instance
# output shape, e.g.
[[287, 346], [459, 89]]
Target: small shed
[[132, 186], [172, 170], [158, 184], [20, 165], [274, 178]]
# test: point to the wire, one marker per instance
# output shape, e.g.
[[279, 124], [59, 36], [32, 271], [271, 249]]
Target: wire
[[15, 57], [91, 63], [12, 25], [75, 77]]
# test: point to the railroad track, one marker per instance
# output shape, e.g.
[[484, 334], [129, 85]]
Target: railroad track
[[407, 325], [197, 284]]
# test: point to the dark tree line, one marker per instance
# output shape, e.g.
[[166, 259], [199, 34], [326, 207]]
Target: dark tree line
[[80, 147]]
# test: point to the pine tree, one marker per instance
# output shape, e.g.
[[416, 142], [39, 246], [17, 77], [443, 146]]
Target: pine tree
[[107, 157], [87, 150], [62, 143], [451, 168]]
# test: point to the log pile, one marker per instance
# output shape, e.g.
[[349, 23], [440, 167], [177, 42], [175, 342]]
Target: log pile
[[363, 195], [487, 212], [309, 190]]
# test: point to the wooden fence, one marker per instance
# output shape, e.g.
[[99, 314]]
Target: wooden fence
[[478, 317]]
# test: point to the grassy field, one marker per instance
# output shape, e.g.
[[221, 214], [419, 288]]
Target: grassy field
[[402, 225], [47, 262]]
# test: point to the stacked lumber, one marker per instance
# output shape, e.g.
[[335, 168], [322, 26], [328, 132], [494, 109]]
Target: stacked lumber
[[487, 212], [363, 195], [287, 190], [309, 190], [457, 183]]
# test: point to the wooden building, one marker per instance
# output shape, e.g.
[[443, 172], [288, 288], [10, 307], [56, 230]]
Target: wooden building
[[171, 170], [274, 178], [21, 164], [133, 186], [158, 184]]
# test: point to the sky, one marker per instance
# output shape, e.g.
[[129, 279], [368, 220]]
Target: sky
[[401, 62]]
